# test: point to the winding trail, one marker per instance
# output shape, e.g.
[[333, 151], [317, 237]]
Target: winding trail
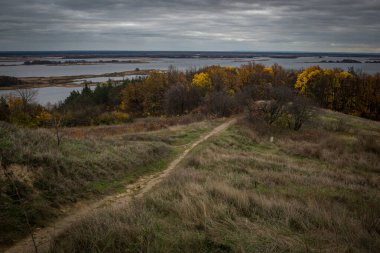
[[44, 236]]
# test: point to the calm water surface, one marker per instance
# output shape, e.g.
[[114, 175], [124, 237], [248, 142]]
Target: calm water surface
[[54, 95], [48, 95], [181, 63], [103, 79]]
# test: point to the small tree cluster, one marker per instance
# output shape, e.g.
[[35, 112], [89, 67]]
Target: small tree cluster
[[285, 107], [182, 99], [345, 91], [100, 105], [20, 109]]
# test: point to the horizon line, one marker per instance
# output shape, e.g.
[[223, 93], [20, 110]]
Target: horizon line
[[191, 51]]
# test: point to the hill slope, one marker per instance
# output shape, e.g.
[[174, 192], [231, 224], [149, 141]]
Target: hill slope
[[89, 163], [316, 190]]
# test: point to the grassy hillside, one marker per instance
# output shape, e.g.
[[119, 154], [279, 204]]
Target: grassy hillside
[[89, 162], [316, 190]]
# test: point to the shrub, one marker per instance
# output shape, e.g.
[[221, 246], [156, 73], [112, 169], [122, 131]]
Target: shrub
[[279, 98], [220, 104], [285, 108], [44, 117], [113, 117], [299, 112], [245, 95], [180, 99]]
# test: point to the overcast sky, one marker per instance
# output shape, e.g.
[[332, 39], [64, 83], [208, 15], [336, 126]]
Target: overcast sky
[[241, 25]]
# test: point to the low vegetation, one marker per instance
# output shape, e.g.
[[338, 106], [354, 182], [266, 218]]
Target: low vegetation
[[255, 189], [45, 179]]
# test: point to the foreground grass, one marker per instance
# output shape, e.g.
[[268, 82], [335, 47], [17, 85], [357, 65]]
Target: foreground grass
[[312, 191], [51, 178]]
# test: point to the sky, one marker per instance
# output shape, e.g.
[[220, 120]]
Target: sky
[[191, 25]]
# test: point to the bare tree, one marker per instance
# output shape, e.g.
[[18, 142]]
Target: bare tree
[[180, 99], [300, 110], [175, 100], [283, 102], [247, 94], [274, 108], [57, 123], [221, 104], [27, 95]]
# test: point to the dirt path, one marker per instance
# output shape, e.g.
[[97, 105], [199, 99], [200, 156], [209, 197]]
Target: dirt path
[[44, 236]]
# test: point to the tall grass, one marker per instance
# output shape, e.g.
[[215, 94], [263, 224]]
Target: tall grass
[[240, 192], [51, 178]]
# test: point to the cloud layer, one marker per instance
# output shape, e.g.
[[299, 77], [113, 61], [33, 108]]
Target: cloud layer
[[293, 25]]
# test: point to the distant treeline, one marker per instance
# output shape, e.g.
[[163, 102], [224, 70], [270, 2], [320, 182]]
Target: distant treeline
[[8, 81], [342, 61], [48, 62], [215, 90], [226, 90]]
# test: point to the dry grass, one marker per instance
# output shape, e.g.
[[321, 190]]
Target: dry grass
[[51, 178], [138, 126], [312, 191]]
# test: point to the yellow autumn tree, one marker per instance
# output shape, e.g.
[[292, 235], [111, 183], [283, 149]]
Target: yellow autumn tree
[[22, 113], [202, 80], [223, 78], [329, 86], [255, 74], [307, 78], [344, 75]]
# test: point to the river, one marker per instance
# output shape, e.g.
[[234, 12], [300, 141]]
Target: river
[[20, 70]]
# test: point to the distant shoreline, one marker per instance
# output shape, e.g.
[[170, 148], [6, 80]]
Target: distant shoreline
[[68, 81], [175, 54]]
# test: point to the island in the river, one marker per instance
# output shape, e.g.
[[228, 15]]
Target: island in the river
[[342, 61], [78, 62], [376, 61], [8, 82]]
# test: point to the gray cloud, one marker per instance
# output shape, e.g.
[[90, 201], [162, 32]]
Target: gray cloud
[[293, 25]]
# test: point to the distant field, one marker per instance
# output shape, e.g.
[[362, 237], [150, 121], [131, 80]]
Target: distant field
[[316, 190]]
